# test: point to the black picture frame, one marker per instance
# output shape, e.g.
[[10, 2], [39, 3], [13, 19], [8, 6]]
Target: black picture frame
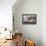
[[29, 18]]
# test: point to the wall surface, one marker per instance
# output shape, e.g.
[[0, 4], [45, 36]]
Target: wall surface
[[29, 31], [6, 13], [43, 22]]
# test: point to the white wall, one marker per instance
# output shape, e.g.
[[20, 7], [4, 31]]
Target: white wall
[[6, 13], [43, 22], [30, 31]]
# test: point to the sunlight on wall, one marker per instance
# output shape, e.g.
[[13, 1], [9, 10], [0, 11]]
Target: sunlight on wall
[[6, 13], [6, 18]]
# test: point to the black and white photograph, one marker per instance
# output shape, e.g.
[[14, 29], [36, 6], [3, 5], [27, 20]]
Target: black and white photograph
[[29, 19]]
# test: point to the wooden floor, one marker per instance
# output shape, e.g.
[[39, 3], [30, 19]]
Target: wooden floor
[[9, 43]]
